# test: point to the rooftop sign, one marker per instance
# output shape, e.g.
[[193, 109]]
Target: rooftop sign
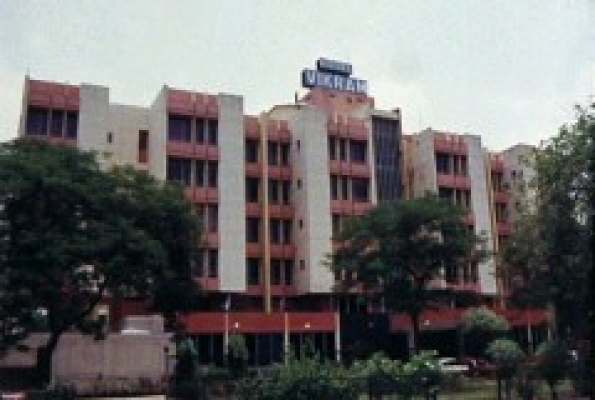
[[330, 74]]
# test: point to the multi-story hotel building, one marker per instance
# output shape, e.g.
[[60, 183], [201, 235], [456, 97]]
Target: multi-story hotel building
[[272, 188]]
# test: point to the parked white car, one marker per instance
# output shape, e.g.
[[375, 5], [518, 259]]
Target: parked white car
[[449, 365]]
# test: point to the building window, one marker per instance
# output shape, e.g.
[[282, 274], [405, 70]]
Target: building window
[[299, 183], [212, 128], [302, 265], [212, 169], [334, 187], [37, 121], [287, 229], [344, 188], [276, 271], [358, 151], [501, 212], [464, 167], [284, 154], [199, 176], [110, 137], [143, 146], [179, 128], [463, 198], [213, 263], [286, 192], [442, 163], [253, 271], [275, 231], [198, 264], [297, 144], [288, 272], [72, 122], [252, 150], [57, 124], [252, 230], [252, 190], [179, 170], [332, 147], [497, 181], [343, 149], [200, 130], [451, 274], [212, 218], [336, 224], [273, 153], [360, 189], [446, 194], [274, 194]]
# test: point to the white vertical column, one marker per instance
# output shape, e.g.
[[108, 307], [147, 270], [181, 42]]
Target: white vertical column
[[232, 194]]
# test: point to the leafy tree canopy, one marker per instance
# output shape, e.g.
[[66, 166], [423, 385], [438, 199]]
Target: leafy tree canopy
[[397, 249], [549, 255], [71, 233]]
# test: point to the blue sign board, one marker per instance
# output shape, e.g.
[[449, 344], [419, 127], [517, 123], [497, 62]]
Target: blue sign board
[[334, 75]]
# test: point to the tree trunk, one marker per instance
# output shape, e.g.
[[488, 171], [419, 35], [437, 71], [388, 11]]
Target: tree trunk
[[415, 334], [553, 391], [499, 380], [43, 362]]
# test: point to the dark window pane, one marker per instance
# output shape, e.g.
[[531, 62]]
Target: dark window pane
[[213, 263], [358, 151], [213, 218], [179, 169], [288, 272], [57, 125], [252, 190], [273, 153], [274, 191], [276, 271], [213, 127], [199, 177], [198, 264], [332, 148], [37, 121], [286, 192], [200, 130], [360, 189], [213, 172], [275, 227], [72, 122], [179, 128], [345, 188], [252, 150], [443, 163], [342, 149], [143, 146], [285, 154], [252, 230], [287, 228], [253, 271], [334, 187]]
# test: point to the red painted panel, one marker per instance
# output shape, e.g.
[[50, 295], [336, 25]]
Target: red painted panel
[[254, 249], [40, 99], [504, 228], [251, 127], [312, 322], [453, 181], [501, 197], [253, 209], [212, 195], [209, 284], [180, 148], [254, 290], [360, 170], [253, 169], [335, 167], [283, 290], [282, 250], [280, 210], [212, 240]]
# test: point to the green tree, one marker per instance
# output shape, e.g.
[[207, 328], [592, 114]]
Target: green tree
[[397, 249], [506, 354], [549, 256], [71, 234], [483, 325], [552, 364]]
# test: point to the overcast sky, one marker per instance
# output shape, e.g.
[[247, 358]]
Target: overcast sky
[[507, 70]]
